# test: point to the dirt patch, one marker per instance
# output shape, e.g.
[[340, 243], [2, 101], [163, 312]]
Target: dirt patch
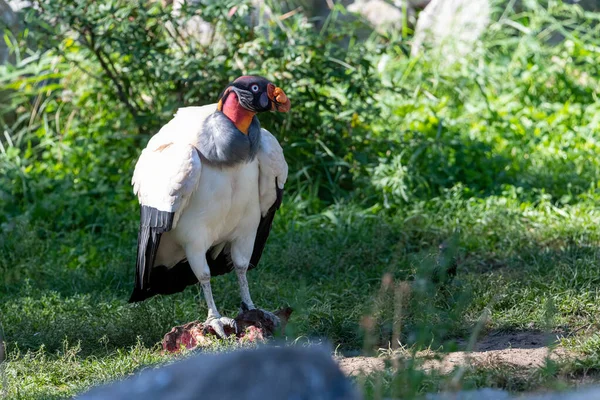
[[353, 366], [520, 349], [521, 358]]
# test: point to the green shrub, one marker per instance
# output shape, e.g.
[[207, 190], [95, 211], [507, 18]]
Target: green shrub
[[120, 69], [520, 111]]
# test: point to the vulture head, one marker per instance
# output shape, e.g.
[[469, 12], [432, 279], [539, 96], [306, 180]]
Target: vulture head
[[254, 94]]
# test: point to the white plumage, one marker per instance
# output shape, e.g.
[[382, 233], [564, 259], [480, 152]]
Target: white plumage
[[168, 172], [215, 208]]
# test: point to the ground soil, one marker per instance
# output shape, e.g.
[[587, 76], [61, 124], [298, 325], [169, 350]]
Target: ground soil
[[519, 349]]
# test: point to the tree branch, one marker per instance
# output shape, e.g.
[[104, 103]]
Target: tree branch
[[111, 73]]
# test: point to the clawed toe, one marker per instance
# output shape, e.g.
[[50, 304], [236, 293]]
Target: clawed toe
[[222, 326]]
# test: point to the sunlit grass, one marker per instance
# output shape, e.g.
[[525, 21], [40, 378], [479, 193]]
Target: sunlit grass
[[530, 267]]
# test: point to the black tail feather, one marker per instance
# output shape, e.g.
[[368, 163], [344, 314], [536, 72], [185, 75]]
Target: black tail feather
[[153, 223], [166, 281]]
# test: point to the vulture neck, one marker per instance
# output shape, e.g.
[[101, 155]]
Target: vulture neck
[[240, 117]]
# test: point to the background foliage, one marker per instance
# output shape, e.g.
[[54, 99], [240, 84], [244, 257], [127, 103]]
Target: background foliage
[[389, 156]]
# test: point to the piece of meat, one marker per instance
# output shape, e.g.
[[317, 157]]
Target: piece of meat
[[253, 326]]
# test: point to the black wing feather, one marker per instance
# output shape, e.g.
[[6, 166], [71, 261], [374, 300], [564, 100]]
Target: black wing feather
[[153, 223], [264, 229]]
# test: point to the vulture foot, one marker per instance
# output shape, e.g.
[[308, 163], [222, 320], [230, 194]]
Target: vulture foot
[[222, 326]]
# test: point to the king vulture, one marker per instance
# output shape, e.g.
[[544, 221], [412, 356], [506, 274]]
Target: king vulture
[[209, 184]]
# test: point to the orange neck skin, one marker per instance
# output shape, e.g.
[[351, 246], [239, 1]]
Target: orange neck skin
[[240, 117]]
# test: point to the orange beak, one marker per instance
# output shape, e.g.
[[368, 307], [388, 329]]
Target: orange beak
[[277, 96]]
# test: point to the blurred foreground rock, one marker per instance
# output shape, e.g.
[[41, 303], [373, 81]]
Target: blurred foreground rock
[[265, 373]]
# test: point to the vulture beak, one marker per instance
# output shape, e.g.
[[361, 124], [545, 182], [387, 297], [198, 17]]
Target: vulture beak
[[278, 98]]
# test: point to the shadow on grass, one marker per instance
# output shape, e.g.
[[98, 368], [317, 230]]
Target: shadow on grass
[[331, 275], [503, 339]]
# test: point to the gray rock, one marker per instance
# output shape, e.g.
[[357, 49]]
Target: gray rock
[[8, 19], [588, 5], [265, 373], [385, 16], [194, 28], [451, 27]]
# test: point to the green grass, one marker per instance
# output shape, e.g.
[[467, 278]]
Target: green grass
[[533, 266]]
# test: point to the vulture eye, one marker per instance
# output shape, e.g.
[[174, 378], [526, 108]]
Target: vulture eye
[[254, 88]]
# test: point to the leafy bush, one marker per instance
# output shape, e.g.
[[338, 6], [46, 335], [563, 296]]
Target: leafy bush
[[520, 112], [120, 69], [516, 113]]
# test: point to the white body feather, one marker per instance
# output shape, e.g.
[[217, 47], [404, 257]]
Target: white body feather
[[224, 208], [212, 204]]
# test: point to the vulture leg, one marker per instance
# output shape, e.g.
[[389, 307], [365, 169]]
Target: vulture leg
[[244, 289], [214, 319], [240, 255]]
